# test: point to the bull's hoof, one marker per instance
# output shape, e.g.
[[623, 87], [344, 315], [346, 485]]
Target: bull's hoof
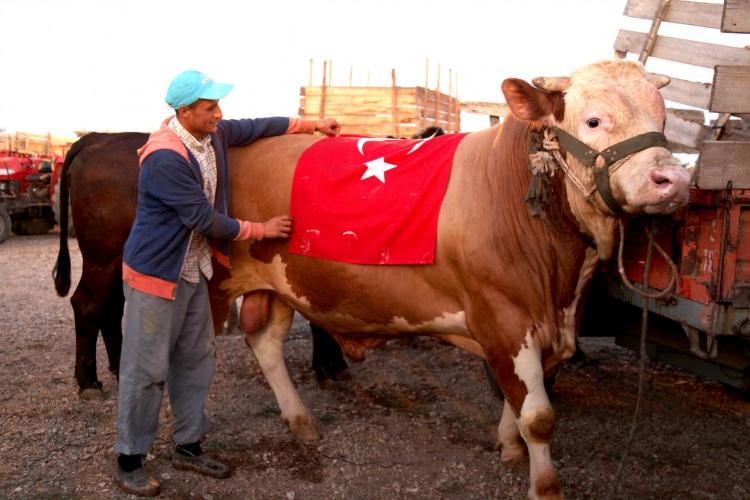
[[92, 394], [304, 428], [232, 332], [342, 375], [512, 454], [331, 381], [326, 383], [546, 486]]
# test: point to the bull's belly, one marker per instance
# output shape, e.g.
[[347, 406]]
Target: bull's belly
[[446, 323], [356, 335], [358, 312]]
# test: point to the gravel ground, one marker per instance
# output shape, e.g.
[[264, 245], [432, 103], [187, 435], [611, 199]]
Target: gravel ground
[[417, 420]]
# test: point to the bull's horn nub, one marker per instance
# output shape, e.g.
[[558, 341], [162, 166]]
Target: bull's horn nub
[[658, 80], [552, 83]]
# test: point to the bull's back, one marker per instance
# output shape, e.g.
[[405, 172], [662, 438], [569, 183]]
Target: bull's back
[[341, 297], [261, 176]]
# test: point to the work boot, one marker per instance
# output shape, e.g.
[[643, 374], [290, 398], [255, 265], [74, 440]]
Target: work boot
[[137, 481], [192, 458]]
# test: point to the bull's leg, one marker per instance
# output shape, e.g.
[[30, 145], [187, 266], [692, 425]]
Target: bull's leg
[[267, 344], [522, 380], [233, 319], [327, 358], [509, 439]]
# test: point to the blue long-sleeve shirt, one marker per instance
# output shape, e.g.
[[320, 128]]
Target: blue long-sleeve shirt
[[172, 204]]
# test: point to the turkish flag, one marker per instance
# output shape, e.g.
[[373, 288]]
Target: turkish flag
[[367, 200]]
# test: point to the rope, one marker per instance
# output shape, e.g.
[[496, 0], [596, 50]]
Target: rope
[[551, 144], [644, 327], [621, 268], [641, 371]]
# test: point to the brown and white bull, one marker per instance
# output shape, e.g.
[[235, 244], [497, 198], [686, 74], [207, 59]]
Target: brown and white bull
[[505, 285]]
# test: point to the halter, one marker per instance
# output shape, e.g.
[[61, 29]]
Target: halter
[[603, 163]]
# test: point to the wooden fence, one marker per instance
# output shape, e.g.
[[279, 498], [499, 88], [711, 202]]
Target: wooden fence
[[724, 144], [35, 144], [381, 111]]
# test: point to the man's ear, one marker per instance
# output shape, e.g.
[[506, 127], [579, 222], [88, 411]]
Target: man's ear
[[526, 102]]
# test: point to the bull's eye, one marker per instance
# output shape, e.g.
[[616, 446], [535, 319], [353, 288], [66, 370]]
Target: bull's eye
[[592, 122]]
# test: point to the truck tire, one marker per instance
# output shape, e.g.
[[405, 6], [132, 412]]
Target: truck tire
[[4, 225], [32, 226], [56, 209]]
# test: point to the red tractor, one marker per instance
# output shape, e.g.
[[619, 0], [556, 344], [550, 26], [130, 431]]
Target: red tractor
[[25, 196]]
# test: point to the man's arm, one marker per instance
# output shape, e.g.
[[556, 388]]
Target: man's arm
[[243, 132], [171, 181]]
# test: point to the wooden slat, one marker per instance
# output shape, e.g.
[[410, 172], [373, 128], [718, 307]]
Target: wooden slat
[[486, 108], [694, 94], [735, 131], [681, 12], [736, 16], [731, 90], [691, 115], [443, 99], [648, 47], [350, 91], [323, 90], [354, 102], [723, 161], [376, 130], [372, 107], [702, 54], [685, 132], [394, 103], [371, 119], [383, 94]]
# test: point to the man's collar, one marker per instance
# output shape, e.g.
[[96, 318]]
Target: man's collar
[[187, 137]]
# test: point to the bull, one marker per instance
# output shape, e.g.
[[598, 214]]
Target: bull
[[505, 285]]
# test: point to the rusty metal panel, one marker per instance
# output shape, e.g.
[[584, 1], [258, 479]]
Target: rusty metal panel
[[708, 318], [700, 253], [738, 284]]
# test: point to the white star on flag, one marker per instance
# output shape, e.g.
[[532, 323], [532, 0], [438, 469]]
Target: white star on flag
[[377, 168]]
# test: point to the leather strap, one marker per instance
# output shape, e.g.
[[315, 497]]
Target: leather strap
[[633, 145], [612, 154]]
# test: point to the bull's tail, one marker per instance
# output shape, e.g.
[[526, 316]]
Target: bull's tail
[[61, 271]]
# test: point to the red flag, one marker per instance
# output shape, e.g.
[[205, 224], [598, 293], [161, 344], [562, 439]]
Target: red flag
[[367, 200]]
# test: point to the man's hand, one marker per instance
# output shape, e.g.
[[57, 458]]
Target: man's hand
[[328, 126], [277, 227]]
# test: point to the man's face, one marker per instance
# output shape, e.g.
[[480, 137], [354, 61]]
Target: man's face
[[200, 117]]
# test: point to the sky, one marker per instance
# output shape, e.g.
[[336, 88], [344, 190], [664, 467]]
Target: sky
[[105, 65]]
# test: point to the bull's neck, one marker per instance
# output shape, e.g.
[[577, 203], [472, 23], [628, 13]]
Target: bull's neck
[[508, 173], [554, 242]]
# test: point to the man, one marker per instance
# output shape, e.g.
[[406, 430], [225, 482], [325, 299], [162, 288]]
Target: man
[[181, 220]]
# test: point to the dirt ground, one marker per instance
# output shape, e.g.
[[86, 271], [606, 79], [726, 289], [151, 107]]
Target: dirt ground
[[418, 419]]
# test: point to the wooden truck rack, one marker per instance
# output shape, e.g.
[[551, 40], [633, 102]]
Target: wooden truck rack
[[705, 324]]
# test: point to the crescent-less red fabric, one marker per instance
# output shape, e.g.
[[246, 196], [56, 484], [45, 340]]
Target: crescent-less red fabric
[[367, 200]]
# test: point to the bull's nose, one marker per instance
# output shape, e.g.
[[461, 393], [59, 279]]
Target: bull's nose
[[671, 183], [660, 178]]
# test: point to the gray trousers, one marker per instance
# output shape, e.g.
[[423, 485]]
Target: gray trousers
[[164, 342]]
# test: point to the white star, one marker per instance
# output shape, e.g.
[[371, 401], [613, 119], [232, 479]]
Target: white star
[[377, 168]]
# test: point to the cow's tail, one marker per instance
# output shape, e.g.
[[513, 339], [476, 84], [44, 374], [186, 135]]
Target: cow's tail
[[61, 271]]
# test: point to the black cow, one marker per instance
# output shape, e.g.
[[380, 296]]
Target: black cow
[[99, 182]]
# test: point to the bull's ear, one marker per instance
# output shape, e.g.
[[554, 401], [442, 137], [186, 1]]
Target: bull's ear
[[525, 101]]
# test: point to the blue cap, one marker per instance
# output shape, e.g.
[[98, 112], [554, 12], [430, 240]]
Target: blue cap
[[191, 85]]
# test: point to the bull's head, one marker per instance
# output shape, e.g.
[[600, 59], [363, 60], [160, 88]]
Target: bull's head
[[609, 117]]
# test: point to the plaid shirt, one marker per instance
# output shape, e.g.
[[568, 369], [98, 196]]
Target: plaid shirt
[[198, 258]]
